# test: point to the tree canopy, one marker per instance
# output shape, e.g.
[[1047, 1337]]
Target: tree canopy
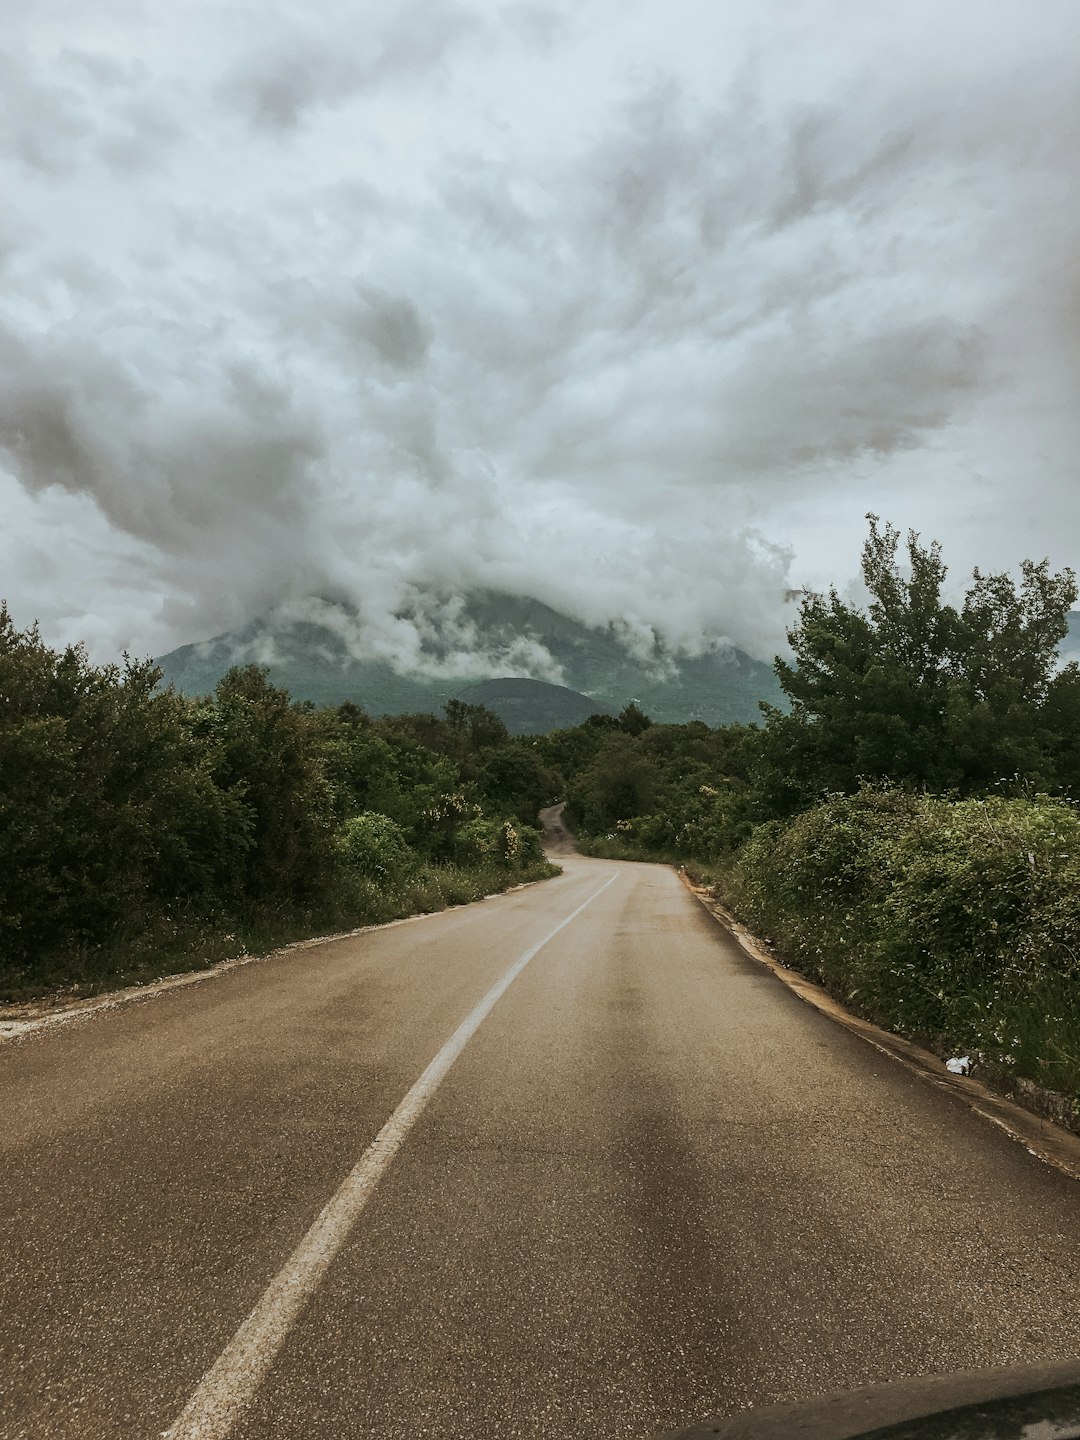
[[913, 688]]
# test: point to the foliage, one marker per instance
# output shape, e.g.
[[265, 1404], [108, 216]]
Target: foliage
[[263, 753], [136, 823], [473, 727], [375, 846], [482, 841], [109, 807], [514, 779], [954, 921], [917, 690], [670, 788]]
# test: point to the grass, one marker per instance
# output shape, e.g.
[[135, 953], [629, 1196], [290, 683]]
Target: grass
[[139, 955], [614, 847]]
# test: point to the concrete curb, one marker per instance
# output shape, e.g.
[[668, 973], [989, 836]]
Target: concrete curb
[[1023, 1123]]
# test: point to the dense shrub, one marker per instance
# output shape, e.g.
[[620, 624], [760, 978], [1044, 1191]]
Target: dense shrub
[[375, 846], [956, 921], [529, 846], [140, 829], [437, 828]]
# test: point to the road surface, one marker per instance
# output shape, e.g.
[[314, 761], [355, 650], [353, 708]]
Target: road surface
[[648, 1184]]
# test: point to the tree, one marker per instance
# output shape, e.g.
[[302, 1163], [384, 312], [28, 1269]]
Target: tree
[[266, 755], [912, 688], [513, 778], [108, 809], [632, 719], [473, 726], [620, 783]]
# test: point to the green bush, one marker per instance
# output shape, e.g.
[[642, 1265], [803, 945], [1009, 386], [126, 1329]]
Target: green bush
[[954, 921], [482, 841], [530, 846], [436, 830], [477, 841], [143, 831], [375, 846]]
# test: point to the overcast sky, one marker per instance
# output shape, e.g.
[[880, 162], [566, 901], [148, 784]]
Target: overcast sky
[[634, 307]]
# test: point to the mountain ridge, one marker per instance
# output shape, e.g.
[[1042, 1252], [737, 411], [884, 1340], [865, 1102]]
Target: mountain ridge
[[313, 661]]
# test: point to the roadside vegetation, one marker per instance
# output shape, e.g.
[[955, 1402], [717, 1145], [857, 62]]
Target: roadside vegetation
[[143, 833], [906, 832]]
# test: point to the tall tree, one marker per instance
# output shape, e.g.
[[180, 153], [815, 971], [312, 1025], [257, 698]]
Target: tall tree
[[913, 688]]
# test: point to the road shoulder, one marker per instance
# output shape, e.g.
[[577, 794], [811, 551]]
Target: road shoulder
[[1040, 1136]]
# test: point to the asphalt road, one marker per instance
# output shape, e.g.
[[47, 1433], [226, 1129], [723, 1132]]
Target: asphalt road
[[653, 1185]]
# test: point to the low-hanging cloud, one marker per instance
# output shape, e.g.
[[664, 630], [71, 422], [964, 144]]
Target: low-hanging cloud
[[357, 319]]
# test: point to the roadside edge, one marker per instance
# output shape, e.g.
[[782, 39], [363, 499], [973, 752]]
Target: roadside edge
[[85, 1009], [1041, 1137]]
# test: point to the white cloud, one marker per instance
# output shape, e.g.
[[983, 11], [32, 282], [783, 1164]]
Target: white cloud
[[618, 308]]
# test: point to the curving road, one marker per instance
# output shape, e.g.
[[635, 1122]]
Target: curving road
[[643, 1184]]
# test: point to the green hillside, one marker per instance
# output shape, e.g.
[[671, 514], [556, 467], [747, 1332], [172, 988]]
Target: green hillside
[[533, 707], [313, 663]]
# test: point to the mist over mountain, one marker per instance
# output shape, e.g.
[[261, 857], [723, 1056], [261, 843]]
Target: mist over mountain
[[326, 653]]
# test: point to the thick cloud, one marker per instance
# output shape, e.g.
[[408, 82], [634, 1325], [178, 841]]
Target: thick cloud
[[635, 312], [311, 59]]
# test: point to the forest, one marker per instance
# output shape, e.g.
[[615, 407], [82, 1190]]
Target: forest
[[904, 829]]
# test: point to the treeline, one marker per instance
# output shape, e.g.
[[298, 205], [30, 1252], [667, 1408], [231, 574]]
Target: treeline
[[141, 830], [907, 831]]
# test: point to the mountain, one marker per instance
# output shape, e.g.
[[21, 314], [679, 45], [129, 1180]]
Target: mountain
[[532, 707], [313, 662]]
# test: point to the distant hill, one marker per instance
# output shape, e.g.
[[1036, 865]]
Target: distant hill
[[313, 663], [532, 707]]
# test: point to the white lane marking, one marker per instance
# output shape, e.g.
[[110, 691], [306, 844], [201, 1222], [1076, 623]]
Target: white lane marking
[[230, 1384]]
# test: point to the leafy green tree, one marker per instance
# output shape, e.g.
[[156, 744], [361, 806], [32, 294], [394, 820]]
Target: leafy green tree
[[473, 727], [1002, 721], [108, 809], [621, 783], [912, 688], [357, 761], [266, 756], [633, 719], [1061, 713], [410, 776], [514, 778]]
